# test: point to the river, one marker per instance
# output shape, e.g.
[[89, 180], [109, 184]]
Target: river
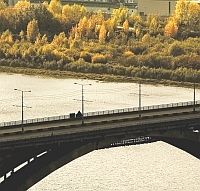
[[154, 166]]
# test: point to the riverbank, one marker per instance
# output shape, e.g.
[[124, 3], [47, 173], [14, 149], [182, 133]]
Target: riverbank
[[99, 77]]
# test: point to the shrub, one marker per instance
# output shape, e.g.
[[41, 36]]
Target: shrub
[[176, 49], [128, 54], [86, 56], [98, 58]]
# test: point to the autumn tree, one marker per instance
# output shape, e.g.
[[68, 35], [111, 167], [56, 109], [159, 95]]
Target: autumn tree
[[138, 29], [187, 13], [91, 24], [74, 13], [83, 25], [176, 49], [55, 7], [60, 41], [126, 27], [102, 34], [110, 28], [120, 15], [32, 30], [134, 18], [22, 5], [46, 21], [171, 29], [22, 35], [6, 36], [146, 38], [194, 15], [2, 4]]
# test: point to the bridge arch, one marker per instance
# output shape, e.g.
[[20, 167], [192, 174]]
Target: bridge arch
[[67, 140], [188, 141], [58, 155]]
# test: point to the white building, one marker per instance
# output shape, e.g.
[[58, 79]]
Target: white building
[[160, 7]]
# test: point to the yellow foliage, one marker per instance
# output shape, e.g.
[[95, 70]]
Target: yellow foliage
[[32, 30], [2, 5], [102, 34], [99, 58], [126, 26], [146, 38], [55, 7], [6, 36], [22, 5], [171, 29], [128, 54], [74, 13]]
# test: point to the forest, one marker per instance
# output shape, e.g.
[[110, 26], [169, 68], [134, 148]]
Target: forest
[[53, 36]]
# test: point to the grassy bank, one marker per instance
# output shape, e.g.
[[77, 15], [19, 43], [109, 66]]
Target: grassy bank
[[103, 77]]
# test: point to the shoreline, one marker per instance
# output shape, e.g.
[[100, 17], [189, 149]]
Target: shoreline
[[90, 76]]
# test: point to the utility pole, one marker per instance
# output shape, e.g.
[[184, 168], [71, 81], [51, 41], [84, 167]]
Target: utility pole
[[194, 96], [139, 109], [22, 106], [82, 100]]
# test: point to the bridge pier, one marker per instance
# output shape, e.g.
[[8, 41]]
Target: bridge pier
[[191, 147], [186, 140]]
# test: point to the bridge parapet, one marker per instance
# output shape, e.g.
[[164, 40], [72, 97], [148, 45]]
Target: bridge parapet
[[38, 137], [16, 130], [103, 113]]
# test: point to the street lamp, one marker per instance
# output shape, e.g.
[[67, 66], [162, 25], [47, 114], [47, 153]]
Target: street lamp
[[139, 109], [22, 106], [82, 100], [194, 95], [139, 99]]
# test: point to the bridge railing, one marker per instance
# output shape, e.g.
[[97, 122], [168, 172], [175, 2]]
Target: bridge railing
[[98, 113]]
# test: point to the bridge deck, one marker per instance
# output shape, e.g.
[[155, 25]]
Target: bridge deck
[[97, 123]]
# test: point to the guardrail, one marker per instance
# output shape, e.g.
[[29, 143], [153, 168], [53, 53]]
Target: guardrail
[[99, 113], [154, 126]]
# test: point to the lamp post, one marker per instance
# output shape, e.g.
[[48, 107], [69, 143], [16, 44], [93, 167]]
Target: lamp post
[[22, 91], [139, 109], [194, 95], [82, 100], [140, 98]]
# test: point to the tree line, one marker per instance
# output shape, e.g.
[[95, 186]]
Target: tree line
[[56, 37]]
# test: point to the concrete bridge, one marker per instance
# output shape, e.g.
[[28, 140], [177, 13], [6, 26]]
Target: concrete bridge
[[47, 144]]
